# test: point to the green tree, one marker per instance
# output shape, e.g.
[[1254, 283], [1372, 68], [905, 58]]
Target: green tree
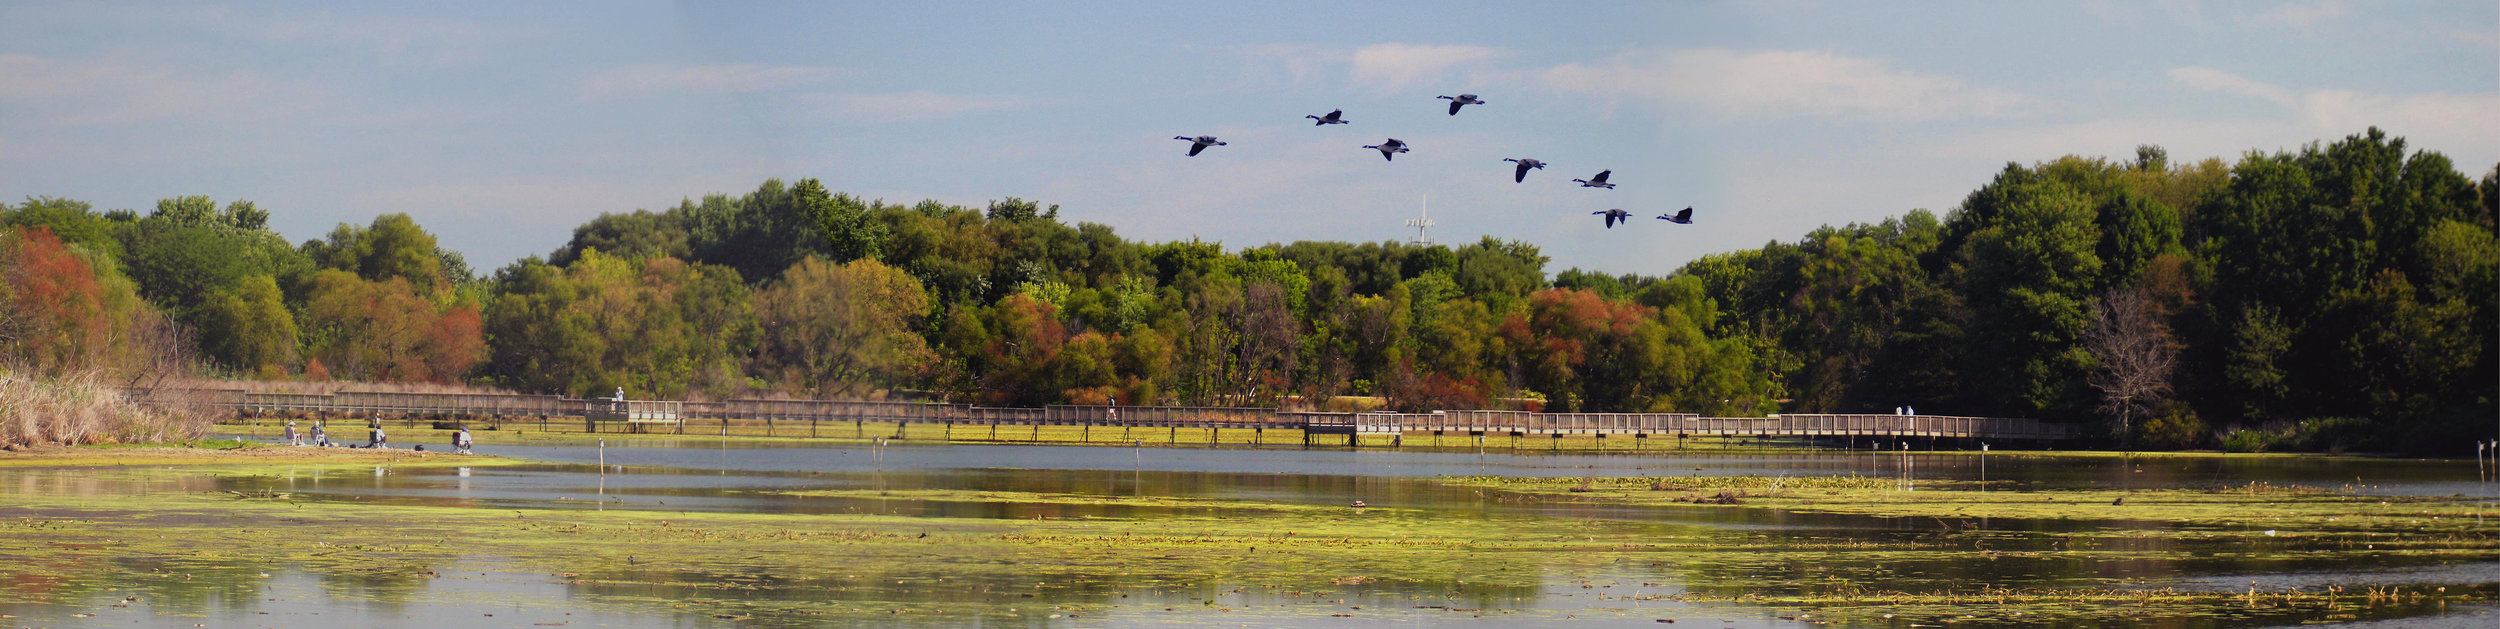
[[848, 231], [393, 246], [74, 222], [843, 330], [640, 234], [185, 252], [659, 326], [2031, 265], [247, 326]]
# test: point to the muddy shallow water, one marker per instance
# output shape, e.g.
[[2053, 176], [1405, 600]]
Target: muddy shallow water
[[1726, 554]]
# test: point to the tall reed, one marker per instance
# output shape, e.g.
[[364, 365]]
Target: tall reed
[[78, 408]]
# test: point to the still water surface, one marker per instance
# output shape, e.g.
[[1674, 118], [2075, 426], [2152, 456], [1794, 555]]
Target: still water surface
[[699, 475]]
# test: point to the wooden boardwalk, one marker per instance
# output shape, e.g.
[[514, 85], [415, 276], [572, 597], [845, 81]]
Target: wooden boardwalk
[[675, 415]]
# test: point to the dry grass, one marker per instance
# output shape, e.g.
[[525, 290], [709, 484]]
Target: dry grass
[[80, 409]]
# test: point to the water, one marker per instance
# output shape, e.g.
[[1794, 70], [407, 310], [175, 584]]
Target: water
[[946, 484]]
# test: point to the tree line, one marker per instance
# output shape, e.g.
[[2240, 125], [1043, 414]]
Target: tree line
[[2338, 296]]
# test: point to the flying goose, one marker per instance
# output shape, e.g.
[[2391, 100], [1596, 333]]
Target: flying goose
[[1334, 117], [1598, 181], [1389, 149], [1524, 166], [1199, 143], [1680, 218], [1462, 100], [1614, 216]]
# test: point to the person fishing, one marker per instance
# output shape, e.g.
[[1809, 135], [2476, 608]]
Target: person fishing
[[319, 439], [461, 441], [292, 438], [378, 437]]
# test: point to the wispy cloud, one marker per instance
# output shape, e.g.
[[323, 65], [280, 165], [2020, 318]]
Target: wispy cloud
[[2303, 15], [2213, 80], [731, 77], [2457, 119], [911, 105], [1301, 63], [393, 37], [1396, 66], [113, 91], [2448, 117], [1784, 84]]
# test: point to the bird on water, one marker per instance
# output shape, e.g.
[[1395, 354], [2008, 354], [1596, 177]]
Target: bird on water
[[1614, 216], [1199, 143], [1462, 100], [1389, 149], [1680, 218], [1598, 181], [1334, 117], [1524, 166]]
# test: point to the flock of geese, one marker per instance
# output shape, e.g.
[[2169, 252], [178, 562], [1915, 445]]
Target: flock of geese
[[1390, 149]]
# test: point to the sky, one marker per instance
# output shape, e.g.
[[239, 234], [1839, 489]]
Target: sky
[[501, 126]]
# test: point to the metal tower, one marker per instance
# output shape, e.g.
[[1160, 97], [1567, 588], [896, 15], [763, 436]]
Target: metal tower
[[1422, 225]]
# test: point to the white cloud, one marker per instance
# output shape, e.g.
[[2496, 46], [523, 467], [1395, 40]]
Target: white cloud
[[1391, 67], [732, 77], [2213, 80], [912, 105], [1783, 84]]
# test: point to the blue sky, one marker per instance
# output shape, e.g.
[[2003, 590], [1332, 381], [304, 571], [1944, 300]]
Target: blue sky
[[500, 126]]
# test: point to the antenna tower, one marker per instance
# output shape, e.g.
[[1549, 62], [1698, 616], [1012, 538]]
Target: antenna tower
[[1422, 225]]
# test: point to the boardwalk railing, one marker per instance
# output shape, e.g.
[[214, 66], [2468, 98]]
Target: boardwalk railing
[[1477, 422]]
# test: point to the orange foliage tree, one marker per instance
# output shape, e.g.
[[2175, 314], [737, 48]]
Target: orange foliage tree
[[388, 331], [63, 307]]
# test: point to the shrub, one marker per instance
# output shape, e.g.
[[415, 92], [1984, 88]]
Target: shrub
[[2251, 440], [2174, 427]]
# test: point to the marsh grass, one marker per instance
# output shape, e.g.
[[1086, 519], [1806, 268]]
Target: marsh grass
[[78, 409]]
